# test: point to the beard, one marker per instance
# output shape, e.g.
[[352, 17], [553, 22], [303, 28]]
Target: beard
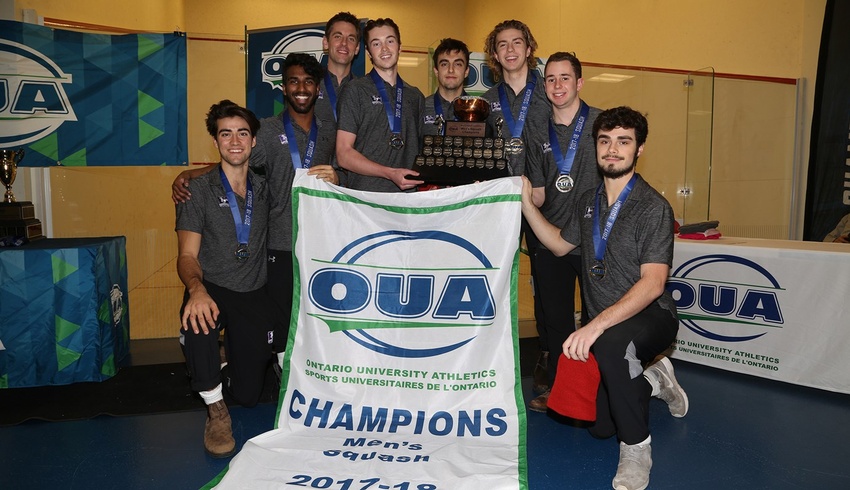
[[609, 172], [297, 107]]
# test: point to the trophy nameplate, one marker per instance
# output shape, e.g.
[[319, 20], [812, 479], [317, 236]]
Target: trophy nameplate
[[29, 228], [16, 210], [464, 128], [466, 153]]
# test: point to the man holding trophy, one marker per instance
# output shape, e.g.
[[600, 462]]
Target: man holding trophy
[[379, 118]]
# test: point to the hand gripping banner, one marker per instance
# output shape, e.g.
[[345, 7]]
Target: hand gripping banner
[[402, 366]]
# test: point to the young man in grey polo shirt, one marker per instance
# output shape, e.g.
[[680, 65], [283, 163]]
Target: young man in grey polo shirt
[[625, 228], [221, 236], [379, 119], [519, 95], [561, 165], [278, 152], [342, 44], [451, 67]]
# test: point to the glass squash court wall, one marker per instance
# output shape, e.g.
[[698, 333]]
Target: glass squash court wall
[[720, 147]]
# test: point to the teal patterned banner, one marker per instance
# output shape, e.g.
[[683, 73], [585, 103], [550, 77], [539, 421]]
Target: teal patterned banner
[[80, 99]]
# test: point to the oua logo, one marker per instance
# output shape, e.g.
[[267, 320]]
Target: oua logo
[[715, 308], [302, 41], [31, 95], [361, 300]]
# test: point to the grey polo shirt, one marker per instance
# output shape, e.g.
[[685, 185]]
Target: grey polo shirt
[[539, 111], [271, 156], [323, 109], [642, 234], [542, 169], [361, 112], [208, 213]]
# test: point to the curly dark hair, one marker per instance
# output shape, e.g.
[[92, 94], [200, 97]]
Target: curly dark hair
[[311, 65], [227, 108], [622, 117]]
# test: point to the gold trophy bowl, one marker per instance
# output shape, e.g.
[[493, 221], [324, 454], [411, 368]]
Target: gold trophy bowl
[[471, 109], [10, 159]]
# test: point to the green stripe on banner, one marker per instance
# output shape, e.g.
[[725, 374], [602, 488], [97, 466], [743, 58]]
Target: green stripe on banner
[[409, 210], [341, 324], [4, 381]]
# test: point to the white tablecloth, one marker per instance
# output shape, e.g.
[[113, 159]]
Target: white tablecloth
[[771, 308]]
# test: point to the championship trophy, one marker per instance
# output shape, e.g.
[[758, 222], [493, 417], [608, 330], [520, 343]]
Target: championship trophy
[[467, 153], [16, 218]]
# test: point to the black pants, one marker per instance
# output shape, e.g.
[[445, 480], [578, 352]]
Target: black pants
[[554, 280], [622, 351], [279, 289], [248, 325]]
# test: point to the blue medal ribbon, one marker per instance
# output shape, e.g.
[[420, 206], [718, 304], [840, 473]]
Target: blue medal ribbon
[[565, 161], [329, 88], [516, 127], [294, 152], [394, 118], [600, 240], [243, 227], [438, 110]]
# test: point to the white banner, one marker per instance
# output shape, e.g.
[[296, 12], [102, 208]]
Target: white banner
[[403, 369], [771, 308]]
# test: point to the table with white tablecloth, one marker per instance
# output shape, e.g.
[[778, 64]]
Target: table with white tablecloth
[[771, 308]]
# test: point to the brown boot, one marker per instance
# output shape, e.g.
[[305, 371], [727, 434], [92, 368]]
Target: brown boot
[[218, 434], [540, 404], [541, 374]]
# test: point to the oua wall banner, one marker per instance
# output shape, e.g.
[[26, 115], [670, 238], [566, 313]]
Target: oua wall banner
[[403, 369], [80, 99]]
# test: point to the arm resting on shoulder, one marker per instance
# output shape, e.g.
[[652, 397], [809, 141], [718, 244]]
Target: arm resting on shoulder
[[180, 186]]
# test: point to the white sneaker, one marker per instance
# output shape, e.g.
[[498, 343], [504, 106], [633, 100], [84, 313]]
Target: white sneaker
[[671, 392], [634, 466]]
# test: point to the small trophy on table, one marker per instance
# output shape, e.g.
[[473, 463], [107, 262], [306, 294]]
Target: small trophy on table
[[16, 218]]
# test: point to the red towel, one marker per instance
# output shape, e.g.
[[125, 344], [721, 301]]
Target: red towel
[[574, 392]]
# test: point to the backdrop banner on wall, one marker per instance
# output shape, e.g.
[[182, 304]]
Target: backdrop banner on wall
[[92, 99], [267, 48], [401, 369], [828, 193]]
